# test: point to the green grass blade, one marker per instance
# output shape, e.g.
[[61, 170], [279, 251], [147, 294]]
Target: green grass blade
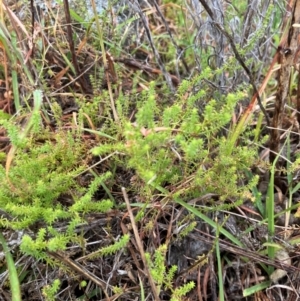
[[219, 262], [256, 288], [12, 271], [98, 133], [14, 75], [270, 209], [210, 222]]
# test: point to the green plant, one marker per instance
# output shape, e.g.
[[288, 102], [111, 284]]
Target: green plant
[[12, 272], [111, 249], [275, 250], [162, 277], [50, 291], [32, 190], [171, 144], [167, 150], [180, 151]]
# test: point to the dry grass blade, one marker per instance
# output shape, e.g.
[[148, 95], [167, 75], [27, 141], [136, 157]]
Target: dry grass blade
[[166, 74], [140, 245], [250, 254], [81, 78], [288, 56], [77, 267]]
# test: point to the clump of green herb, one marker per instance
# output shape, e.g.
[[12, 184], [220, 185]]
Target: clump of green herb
[[172, 144], [41, 188]]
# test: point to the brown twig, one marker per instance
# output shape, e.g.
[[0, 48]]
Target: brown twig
[[287, 56], [75, 266], [166, 74], [140, 245], [178, 49], [81, 79], [254, 256], [131, 63]]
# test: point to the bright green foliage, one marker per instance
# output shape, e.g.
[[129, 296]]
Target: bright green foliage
[[157, 266], [13, 133], [189, 228], [94, 110], [181, 291], [168, 144], [112, 249], [38, 176], [85, 203], [117, 290], [170, 276], [50, 291], [174, 147], [164, 279]]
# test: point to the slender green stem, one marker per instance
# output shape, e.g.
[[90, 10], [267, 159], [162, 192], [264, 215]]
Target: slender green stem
[[219, 261], [14, 74], [12, 271], [270, 208]]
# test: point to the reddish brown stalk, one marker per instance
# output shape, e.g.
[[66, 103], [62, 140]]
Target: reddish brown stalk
[[256, 97], [287, 57], [275, 59]]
